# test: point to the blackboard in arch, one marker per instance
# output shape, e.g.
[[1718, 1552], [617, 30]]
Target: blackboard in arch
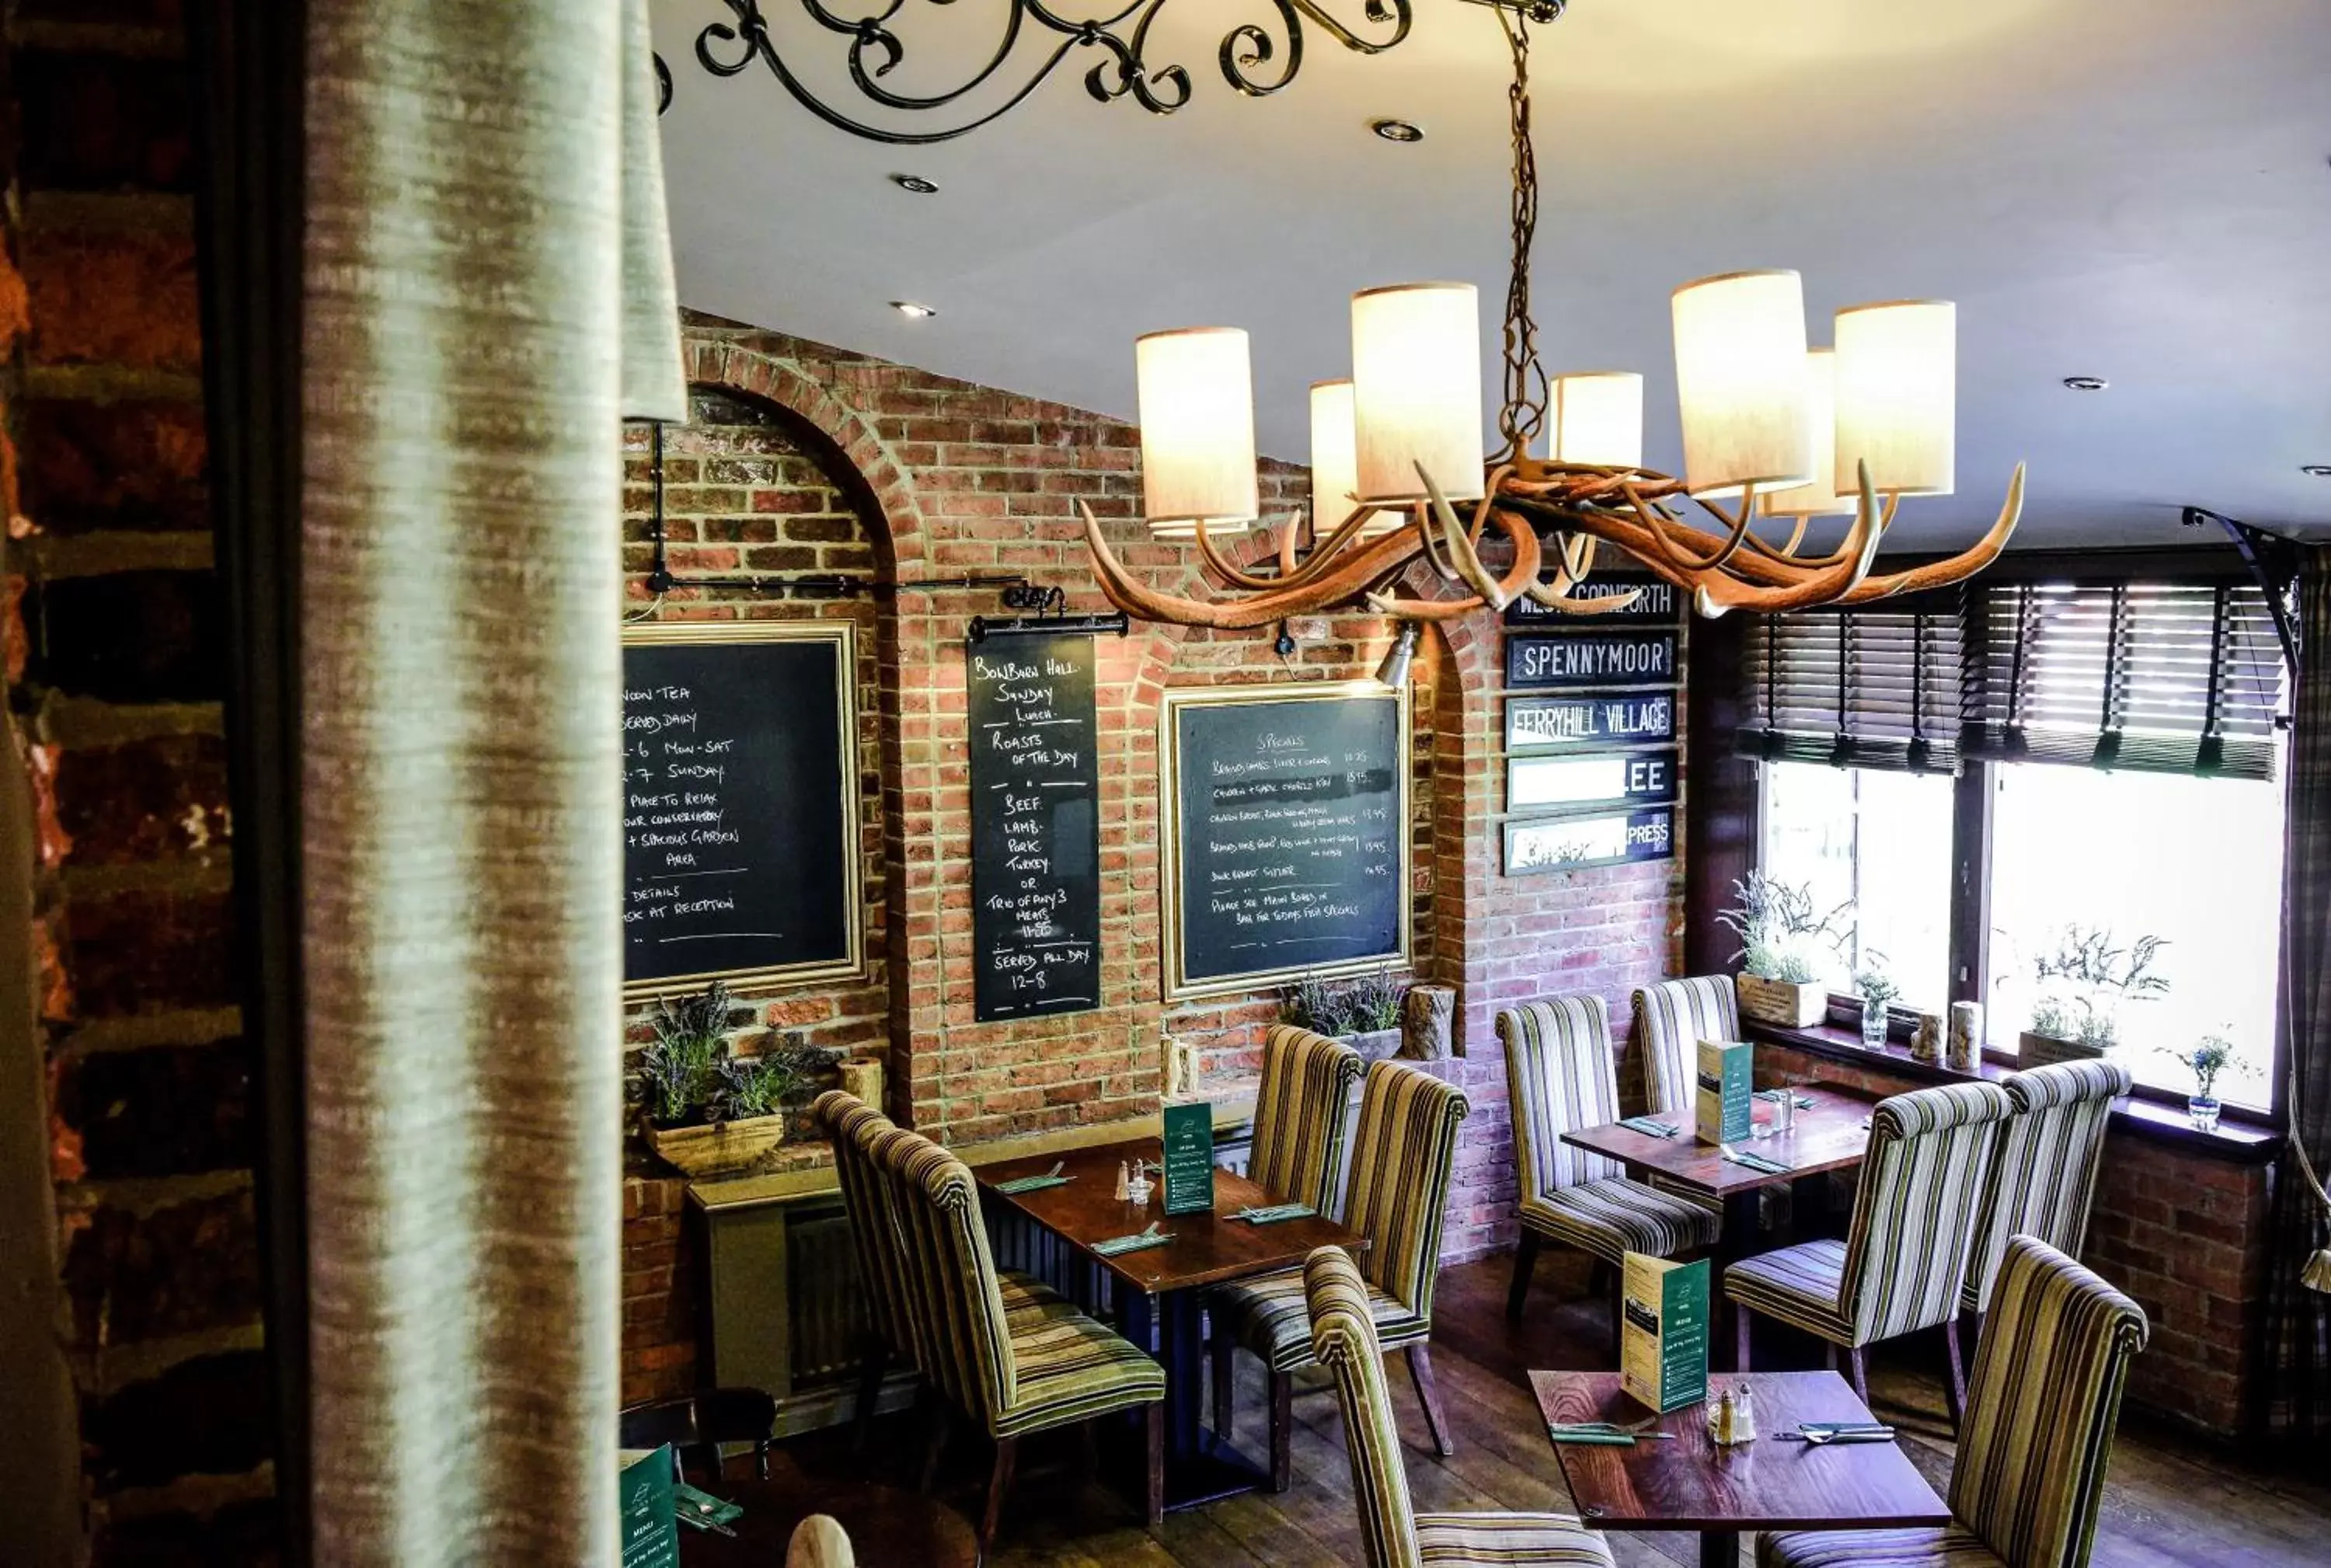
[[741, 836], [1285, 811]]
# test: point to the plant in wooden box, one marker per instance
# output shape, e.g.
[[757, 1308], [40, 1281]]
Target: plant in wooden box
[[707, 1110], [2083, 986], [1364, 1013], [2205, 1058], [1876, 990], [1779, 981]]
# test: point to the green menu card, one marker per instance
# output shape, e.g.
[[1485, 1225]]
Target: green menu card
[[1663, 1340], [1722, 1113], [1189, 1158], [650, 1531]]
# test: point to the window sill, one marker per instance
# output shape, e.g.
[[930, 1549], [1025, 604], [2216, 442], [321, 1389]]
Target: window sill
[[2247, 1143]]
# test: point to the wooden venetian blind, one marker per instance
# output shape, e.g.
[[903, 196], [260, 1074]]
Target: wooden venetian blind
[[1875, 689], [2162, 678]]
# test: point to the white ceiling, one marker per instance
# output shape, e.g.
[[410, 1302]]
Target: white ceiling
[[2136, 189]]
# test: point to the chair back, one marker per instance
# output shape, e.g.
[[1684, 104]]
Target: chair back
[[2041, 1410], [1344, 1340], [849, 1123], [820, 1541], [1403, 1152], [1560, 1076], [2045, 1176], [1915, 1211], [953, 1297], [697, 1424], [1671, 1018], [1298, 1114]]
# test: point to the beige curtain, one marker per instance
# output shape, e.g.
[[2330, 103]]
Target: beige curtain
[[487, 289]]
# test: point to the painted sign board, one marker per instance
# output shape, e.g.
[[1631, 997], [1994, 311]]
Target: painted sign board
[[1618, 778], [1616, 719], [1580, 660], [1534, 845], [1658, 603]]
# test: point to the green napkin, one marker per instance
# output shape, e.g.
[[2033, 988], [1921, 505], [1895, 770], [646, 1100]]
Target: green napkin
[[1597, 1433], [1272, 1213], [1649, 1127], [1036, 1183], [1153, 1237], [701, 1509], [1756, 1162]]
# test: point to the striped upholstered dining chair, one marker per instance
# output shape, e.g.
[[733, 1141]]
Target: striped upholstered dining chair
[[2045, 1177], [1904, 1261], [1561, 1076], [1343, 1339], [1298, 1114], [1671, 1018], [1402, 1156], [850, 1124], [1013, 1370], [2030, 1467]]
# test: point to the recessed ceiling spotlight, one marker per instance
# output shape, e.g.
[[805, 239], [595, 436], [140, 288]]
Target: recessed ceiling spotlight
[[2087, 383], [916, 184], [1399, 131], [2315, 470], [912, 311]]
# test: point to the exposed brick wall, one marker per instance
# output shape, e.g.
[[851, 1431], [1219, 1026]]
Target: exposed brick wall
[[2183, 1232], [116, 672], [660, 1280]]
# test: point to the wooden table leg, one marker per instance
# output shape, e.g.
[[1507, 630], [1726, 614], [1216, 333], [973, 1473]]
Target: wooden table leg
[[1719, 1549], [1743, 1214]]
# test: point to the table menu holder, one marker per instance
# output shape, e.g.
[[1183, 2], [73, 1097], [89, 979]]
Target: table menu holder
[[1189, 1173], [1663, 1338], [644, 1505], [1721, 1107]]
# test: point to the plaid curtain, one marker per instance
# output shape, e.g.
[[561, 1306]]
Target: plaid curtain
[[2298, 1318]]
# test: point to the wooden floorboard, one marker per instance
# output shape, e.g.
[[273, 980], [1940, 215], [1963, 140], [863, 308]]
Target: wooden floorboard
[[2171, 1501]]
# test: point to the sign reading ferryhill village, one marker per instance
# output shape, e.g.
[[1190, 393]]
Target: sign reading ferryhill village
[[1589, 658], [1619, 718]]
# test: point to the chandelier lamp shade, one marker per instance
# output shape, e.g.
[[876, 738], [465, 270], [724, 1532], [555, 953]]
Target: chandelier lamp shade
[[1772, 428], [1196, 394]]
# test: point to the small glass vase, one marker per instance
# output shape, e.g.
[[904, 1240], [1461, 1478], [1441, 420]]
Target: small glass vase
[[2203, 1110], [1873, 1025]]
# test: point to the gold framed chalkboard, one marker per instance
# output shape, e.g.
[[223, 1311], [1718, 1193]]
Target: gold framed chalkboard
[[742, 839], [1284, 819]]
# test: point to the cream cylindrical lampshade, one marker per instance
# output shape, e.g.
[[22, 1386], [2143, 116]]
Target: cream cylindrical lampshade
[[1740, 377], [1335, 465], [1416, 390], [1898, 395], [1598, 418], [1818, 495], [1197, 429]]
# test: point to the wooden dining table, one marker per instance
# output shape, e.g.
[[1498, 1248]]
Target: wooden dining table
[[1687, 1481], [1158, 1289], [1831, 1134]]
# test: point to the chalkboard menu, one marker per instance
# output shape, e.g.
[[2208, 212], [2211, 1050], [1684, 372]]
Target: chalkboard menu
[[1286, 833], [1035, 836], [740, 805]]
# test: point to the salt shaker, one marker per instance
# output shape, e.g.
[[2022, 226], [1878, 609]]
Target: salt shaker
[[1744, 1415]]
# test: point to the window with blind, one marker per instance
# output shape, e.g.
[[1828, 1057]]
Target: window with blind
[[1868, 689], [2150, 677]]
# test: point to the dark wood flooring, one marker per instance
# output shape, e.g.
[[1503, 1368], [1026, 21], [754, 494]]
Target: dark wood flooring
[[2171, 1502]]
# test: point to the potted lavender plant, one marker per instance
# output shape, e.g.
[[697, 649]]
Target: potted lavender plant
[[706, 1109], [1364, 1013], [1779, 981], [2083, 986]]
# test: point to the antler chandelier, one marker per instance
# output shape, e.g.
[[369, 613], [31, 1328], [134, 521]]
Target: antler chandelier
[[1771, 429]]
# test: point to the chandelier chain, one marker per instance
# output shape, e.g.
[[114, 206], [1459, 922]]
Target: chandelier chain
[[1523, 412]]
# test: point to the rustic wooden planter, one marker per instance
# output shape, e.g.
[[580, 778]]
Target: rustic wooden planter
[[1780, 1004], [2045, 1051], [717, 1147], [1373, 1044]]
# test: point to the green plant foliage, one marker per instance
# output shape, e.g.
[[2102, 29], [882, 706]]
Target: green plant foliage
[[1372, 1002], [2205, 1059], [2085, 981], [1875, 986], [1779, 928]]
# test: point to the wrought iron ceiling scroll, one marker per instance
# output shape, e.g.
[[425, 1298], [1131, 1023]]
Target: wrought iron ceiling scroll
[[1258, 58]]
